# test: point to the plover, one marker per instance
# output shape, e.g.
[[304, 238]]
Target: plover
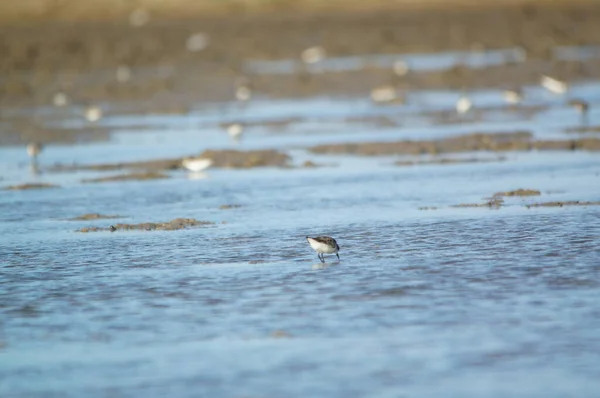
[[60, 99], [123, 73], [312, 55], [400, 67], [93, 113], [582, 107], [323, 245], [554, 85], [33, 150], [196, 164], [385, 95], [243, 93], [235, 131], [463, 105], [513, 97], [197, 42]]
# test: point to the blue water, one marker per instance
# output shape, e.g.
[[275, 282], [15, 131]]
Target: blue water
[[452, 302]]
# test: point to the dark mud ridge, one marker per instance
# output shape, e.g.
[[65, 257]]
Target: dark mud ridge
[[94, 216], [519, 192], [178, 223], [566, 203], [583, 129], [24, 187], [227, 207], [128, 177], [447, 161], [497, 200], [152, 168], [511, 141]]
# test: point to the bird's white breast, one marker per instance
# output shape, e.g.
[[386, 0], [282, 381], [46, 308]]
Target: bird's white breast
[[321, 247]]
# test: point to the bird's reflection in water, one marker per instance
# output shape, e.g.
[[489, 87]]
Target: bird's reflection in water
[[324, 265], [198, 175]]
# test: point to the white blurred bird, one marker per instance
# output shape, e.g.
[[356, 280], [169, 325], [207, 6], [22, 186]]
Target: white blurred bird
[[243, 93], [93, 113], [60, 99], [463, 105], [554, 85], [33, 150], [513, 97], [235, 131], [401, 67], [196, 164], [313, 55]]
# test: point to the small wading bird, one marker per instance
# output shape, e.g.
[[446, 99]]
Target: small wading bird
[[386, 95], [582, 107], [513, 97], [93, 113], [554, 85], [313, 55], [463, 105], [33, 150], [323, 245], [196, 164], [235, 131]]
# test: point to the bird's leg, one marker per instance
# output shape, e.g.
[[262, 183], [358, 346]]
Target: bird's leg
[[321, 257], [338, 256]]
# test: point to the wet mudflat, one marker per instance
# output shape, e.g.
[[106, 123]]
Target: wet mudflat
[[424, 303], [469, 257]]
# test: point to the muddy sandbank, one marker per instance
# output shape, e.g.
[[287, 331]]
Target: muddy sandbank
[[23, 187], [447, 161], [229, 206], [178, 223], [519, 192], [153, 168], [61, 49], [492, 203], [235, 159], [583, 129], [128, 177], [565, 203], [509, 141]]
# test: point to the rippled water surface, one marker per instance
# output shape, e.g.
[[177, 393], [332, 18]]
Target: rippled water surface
[[462, 302]]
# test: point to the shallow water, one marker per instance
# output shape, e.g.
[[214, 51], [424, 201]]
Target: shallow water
[[465, 302]]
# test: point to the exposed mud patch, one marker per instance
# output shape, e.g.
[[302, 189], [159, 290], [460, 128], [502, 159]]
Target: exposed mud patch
[[583, 129], [308, 164], [519, 192], [246, 159], [152, 168], [449, 117], [93, 216], [492, 203], [510, 141], [566, 203], [128, 177], [178, 223], [447, 161], [24, 187], [227, 207], [149, 166]]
